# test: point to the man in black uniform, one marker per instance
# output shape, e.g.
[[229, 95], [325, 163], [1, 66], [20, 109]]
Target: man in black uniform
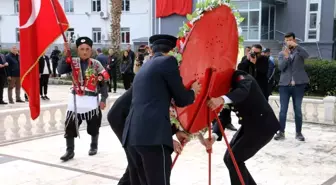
[[147, 136], [259, 124]]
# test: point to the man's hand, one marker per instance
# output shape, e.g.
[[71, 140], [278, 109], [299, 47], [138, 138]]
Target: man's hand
[[66, 47], [6, 64], [9, 78], [292, 43], [286, 52], [102, 105], [1, 66], [208, 142], [214, 103], [177, 147], [182, 137], [253, 60], [108, 66], [196, 87]]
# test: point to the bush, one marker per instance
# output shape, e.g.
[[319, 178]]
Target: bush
[[4, 51], [322, 77]]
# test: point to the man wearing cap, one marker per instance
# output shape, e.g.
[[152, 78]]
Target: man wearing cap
[[147, 135], [84, 104]]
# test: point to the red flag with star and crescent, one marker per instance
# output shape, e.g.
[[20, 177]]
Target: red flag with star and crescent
[[40, 22]]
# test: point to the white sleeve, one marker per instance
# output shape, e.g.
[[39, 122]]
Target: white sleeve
[[226, 100]]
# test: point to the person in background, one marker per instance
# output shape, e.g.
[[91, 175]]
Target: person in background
[[13, 75], [293, 81], [45, 73], [112, 69], [55, 56], [247, 52], [103, 59], [3, 77], [132, 57], [271, 71], [126, 70]]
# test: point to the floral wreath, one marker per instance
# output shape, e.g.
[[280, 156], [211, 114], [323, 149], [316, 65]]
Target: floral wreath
[[201, 8]]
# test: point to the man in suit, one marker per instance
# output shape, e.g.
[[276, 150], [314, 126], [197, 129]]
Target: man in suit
[[103, 59], [293, 81], [45, 73], [259, 124], [112, 69], [3, 77], [147, 136], [117, 116]]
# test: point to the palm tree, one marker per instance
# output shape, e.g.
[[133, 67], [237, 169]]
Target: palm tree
[[116, 9]]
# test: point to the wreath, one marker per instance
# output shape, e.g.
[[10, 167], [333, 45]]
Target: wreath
[[184, 31]]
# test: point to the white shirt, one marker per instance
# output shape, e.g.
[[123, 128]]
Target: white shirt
[[45, 69]]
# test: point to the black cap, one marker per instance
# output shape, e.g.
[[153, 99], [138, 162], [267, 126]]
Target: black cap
[[266, 50], [163, 39], [84, 40]]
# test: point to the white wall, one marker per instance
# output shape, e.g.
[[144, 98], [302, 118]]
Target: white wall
[[137, 19]]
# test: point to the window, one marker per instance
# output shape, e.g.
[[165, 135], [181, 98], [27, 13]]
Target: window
[[125, 35], [96, 35], [313, 18], [68, 6], [16, 6], [70, 34], [126, 5], [96, 5], [17, 33]]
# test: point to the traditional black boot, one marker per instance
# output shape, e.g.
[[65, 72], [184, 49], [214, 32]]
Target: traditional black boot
[[69, 154], [94, 145]]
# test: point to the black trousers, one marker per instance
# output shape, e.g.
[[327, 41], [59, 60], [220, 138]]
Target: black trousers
[[127, 80], [113, 80], [93, 124], [54, 67], [149, 165], [44, 80], [3, 80], [224, 116], [245, 144]]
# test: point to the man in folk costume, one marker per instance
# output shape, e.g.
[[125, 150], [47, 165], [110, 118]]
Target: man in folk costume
[[88, 75]]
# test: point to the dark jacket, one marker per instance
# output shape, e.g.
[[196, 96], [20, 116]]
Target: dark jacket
[[154, 87], [258, 71], [103, 59], [118, 113], [55, 55], [42, 62], [3, 61], [126, 66], [113, 61], [254, 112], [13, 69]]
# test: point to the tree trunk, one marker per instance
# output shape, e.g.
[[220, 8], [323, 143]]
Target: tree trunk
[[115, 25]]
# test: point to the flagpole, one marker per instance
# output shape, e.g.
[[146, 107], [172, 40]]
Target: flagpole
[[68, 54]]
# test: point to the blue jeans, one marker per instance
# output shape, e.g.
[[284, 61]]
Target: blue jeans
[[297, 93]]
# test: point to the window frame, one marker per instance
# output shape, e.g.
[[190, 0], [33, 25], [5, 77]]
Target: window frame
[[68, 4], [318, 20], [124, 6], [16, 6], [70, 31], [125, 36], [96, 3], [17, 35], [95, 33]]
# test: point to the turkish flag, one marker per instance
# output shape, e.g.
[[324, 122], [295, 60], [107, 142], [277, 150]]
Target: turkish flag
[[39, 28]]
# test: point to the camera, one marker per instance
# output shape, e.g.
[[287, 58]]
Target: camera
[[253, 54]]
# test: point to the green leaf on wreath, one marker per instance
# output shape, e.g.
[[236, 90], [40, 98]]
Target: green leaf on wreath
[[189, 17], [180, 34], [241, 19]]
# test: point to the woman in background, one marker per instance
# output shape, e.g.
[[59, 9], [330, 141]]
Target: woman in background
[[126, 70]]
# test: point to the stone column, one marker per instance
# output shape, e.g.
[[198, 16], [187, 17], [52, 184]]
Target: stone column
[[329, 109]]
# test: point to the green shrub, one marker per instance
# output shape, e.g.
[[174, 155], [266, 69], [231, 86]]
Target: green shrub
[[4, 51], [322, 77]]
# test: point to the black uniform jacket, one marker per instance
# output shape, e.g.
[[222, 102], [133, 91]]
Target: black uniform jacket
[[249, 104], [118, 113], [156, 84]]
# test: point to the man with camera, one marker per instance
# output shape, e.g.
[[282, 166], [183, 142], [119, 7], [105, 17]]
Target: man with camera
[[257, 66]]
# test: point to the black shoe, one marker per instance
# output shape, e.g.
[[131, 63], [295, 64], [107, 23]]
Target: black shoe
[[69, 154], [300, 137], [94, 145], [46, 97], [279, 136], [114, 91], [43, 98], [3, 103], [20, 101], [11, 102], [230, 127]]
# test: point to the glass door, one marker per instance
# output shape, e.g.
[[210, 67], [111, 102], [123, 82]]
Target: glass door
[[267, 22]]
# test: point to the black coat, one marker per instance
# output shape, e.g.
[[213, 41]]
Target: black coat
[[154, 87], [254, 112], [42, 62]]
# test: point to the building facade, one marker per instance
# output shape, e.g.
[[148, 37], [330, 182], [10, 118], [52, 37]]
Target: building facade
[[266, 22], [87, 18]]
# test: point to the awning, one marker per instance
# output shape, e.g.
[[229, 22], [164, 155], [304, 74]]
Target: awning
[[141, 39]]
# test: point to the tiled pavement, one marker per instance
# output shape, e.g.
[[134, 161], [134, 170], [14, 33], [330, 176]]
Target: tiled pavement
[[280, 163]]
